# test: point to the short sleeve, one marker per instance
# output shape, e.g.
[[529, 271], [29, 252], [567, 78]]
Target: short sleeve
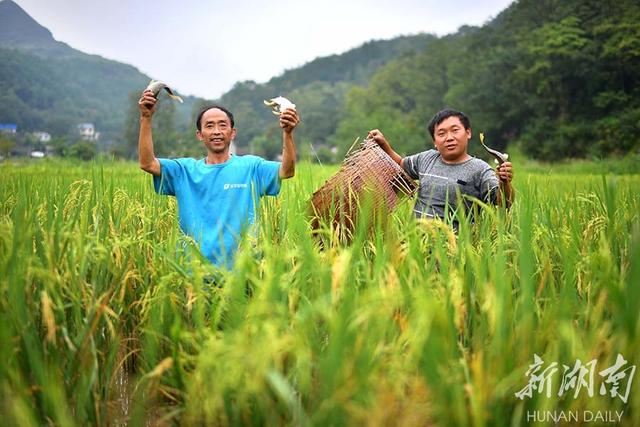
[[268, 177], [410, 165], [170, 172], [488, 185]]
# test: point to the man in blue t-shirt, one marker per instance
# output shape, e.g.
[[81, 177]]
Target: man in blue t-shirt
[[218, 196]]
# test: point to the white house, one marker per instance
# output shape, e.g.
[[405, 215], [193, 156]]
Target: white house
[[42, 136], [8, 127], [88, 132]]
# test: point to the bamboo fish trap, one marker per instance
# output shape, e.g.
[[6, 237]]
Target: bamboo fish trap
[[368, 184]]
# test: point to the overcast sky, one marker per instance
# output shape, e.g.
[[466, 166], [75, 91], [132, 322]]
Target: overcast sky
[[203, 47]]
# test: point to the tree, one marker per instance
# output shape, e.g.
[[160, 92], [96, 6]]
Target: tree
[[268, 145], [165, 136], [560, 78], [128, 144], [166, 139], [84, 150], [6, 145]]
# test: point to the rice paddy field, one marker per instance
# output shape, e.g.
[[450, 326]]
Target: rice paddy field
[[520, 319]]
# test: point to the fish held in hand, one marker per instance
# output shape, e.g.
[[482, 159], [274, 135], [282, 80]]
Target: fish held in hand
[[499, 157], [156, 86], [279, 104]]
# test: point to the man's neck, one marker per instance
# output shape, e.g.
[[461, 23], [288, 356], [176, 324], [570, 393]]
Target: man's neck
[[217, 158], [457, 160]]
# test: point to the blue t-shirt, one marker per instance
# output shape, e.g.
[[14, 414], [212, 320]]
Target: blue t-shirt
[[217, 202]]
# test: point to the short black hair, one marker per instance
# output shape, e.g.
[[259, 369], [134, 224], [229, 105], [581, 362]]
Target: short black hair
[[209, 107], [442, 115]]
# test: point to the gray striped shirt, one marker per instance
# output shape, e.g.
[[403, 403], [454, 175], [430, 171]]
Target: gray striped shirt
[[442, 183]]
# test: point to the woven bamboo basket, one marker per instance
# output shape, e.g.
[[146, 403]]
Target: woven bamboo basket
[[368, 183]]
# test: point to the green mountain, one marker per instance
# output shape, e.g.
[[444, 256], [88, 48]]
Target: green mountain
[[559, 78], [19, 30], [47, 85], [318, 89]]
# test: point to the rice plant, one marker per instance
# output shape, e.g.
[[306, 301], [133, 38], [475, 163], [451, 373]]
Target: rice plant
[[108, 316]]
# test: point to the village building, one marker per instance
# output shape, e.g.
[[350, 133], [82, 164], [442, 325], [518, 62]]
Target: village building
[[88, 132], [8, 127], [42, 136]]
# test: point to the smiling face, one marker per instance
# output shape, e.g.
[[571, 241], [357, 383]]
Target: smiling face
[[451, 140], [216, 131]]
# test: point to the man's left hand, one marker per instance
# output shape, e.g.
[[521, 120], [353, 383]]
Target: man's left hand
[[289, 120], [505, 172]]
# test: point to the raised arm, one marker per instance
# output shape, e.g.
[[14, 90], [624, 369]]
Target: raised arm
[[379, 138], [146, 156], [505, 175], [288, 121]]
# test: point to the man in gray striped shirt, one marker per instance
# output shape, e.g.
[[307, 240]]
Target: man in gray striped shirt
[[449, 177]]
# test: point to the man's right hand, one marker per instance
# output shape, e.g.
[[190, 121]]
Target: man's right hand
[[147, 104], [378, 138]]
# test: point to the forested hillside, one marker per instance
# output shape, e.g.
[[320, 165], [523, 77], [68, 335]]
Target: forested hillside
[[561, 78], [318, 88], [45, 85]]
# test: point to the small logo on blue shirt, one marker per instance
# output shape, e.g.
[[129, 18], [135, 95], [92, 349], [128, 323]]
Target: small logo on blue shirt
[[232, 186]]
